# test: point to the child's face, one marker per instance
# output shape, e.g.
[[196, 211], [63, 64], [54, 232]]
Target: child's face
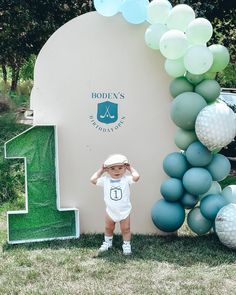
[[116, 171]]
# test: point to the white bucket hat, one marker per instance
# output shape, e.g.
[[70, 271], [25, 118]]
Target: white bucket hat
[[116, 159]]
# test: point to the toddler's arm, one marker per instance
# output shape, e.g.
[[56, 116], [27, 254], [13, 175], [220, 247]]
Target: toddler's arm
[[133, 172], [97, 174]]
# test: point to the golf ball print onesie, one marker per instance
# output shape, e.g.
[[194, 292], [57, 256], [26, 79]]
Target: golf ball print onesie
[[117, 196]]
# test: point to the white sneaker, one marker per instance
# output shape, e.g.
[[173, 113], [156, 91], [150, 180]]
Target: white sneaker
[[105, 247], [126, 249]]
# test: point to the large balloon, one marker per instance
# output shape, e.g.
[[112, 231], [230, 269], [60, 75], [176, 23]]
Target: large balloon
[[197, 181], [216, 125], [135, 11], [107, 7], [198, 155], [185, 109], [172, 189], [220, 57], [183, 138], [209, 89], [175, 67], [198, 59], [153, 35], [168, 216], [199, 31], [158, 11], [175, 165], [173, 44], [211, 204], [198, 223], [180, 16], [180, 85], [219, 167]]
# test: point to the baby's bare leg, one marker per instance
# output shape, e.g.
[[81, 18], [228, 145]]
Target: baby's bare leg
[[125, 229], [109, 226]]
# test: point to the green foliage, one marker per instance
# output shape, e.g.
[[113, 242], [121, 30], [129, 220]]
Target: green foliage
[[26, 72], [227, 78]]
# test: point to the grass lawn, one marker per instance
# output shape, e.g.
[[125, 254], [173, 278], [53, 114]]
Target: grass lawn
[[186, 264]]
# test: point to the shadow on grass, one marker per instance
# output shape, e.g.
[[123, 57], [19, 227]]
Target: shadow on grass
[[179, 250]]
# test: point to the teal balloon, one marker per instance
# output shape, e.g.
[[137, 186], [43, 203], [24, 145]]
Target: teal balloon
[[183, 138], [198, 223], [172, 189], [188, 201], [175, 165], [209, 89], [180, 85], [211, 204], [221, 57], [185, 108], [107, 7], [194, 79], [135, 11], [167, 216], [219, 167], [153, 35], [198, 155], [197, 181]]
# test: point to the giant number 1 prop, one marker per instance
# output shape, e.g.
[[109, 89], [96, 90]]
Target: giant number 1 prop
[[42, 219]]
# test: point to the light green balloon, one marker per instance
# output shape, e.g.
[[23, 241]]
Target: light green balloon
[[180, 85], [209, 89], [214, 189], [194, 79], [158, 11], [183, 138], [180, 16], [220, 57], [198, 59], [153, 35], [175, 67], [229, 193], [185, 108], [173, 44], [199, 31]]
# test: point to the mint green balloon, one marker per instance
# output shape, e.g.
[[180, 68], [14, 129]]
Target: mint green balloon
[[194, 79], [180, 16], [220, 57], [173, 44], [153, 35], [183, 138], [158, 11], [199, 31], [185, 108], [175, 67], [180, 85], [209, 89], [198, 59]]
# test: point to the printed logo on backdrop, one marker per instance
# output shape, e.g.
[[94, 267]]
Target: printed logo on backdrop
[[107, 116]]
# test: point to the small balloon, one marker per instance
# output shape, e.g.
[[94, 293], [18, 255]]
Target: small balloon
[[175, 67], [209, 89], [199, 31], [158, 11], [198, 59], [183, 138], [135, 11], [153, 35], [198, 223], [107, 7], [180, 85], [173, 44], [180, 16], [194, 79], [220, 57]]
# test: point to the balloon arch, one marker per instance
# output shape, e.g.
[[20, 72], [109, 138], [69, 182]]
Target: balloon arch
[[205, 124]]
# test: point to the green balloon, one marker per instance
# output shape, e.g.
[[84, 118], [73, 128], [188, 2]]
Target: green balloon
[[185, 109], [153, 35], [194, 79], [209, 89], [198, 223], [220, 57], [180, 85], [209, 75], [183, 138]]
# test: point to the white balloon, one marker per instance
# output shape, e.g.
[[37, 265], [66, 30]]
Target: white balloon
[[199, 31], [215, 125], [180, 16], [198, 59], [158, 11], [153, 35], [173, 44], [175, 67]]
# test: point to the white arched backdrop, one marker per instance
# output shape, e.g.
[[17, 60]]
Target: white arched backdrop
[[89, 61]]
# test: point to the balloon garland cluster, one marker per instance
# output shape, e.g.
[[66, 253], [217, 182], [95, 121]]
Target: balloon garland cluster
[[205, 125]]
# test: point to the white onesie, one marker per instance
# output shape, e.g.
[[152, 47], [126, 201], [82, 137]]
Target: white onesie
[[117, 196]]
